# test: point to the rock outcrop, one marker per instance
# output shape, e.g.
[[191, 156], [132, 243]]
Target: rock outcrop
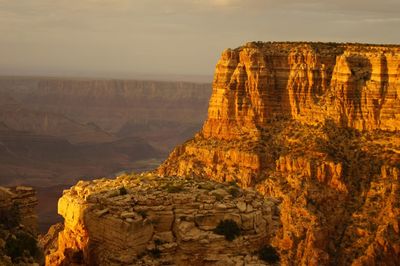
[[148, 220], [356, 85], [18, 226], [315, 125]]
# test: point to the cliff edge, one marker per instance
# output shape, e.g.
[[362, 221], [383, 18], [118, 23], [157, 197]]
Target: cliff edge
[[148, 220], [315, 125]]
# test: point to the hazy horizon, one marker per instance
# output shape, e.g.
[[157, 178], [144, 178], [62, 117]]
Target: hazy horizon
[[178, 38]]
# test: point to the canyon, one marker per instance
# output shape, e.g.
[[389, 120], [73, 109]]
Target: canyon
[[297, 163], [163, 113], [56, 131]]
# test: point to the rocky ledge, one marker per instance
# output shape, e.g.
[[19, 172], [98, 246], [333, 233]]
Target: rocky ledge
[[149, 220]]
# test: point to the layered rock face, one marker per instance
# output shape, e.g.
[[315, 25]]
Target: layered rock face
[[24, 198], [357, 85], [18, 226], [316, 126], [148, 220], [164, 113]]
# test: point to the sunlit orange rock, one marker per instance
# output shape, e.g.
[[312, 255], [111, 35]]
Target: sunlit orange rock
[[315, 126]]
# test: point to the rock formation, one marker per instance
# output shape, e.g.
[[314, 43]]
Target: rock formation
[[164, 113], [148, 220], [18, 226], [315, 125]]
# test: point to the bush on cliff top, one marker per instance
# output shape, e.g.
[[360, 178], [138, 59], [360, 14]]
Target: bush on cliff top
[[174, 188], [123, 191], [228, 228], [22, 242], [268, 254], [10, 217]]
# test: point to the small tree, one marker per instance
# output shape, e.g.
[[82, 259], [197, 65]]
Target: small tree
[[10, 217], [123, 191], [228, 228], [268, 254], [16, 246]]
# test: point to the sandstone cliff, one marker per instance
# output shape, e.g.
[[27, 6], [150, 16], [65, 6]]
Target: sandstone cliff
[[316, 126], [356, 85], [148, 220]]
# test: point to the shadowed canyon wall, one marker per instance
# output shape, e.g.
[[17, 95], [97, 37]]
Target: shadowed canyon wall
[[18, 227], [146, 109]]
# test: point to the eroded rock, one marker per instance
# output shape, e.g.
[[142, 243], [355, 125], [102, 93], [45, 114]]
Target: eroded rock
[[143, 231]]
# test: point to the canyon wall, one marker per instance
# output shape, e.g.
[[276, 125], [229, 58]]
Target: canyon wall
[[153, 110], [315, 125], [356, 85], [25, 201], [18, 226]]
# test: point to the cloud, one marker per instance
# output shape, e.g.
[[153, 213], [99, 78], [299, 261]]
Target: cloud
[[176, 35], [371, 20], [224, 3]]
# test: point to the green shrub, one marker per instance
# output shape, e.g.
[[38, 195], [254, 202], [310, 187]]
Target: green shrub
[[143, 213], [228, 228], [123, 191], [155, 253], [10, 217], [233, 183], [268, 254], [234, 191], [174, 189], [15, 247], [158, 242]]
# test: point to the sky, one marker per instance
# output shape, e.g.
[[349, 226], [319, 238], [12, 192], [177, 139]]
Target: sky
[[171, 38]]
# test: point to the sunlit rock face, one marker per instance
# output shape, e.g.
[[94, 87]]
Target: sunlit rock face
[[149, 220], [354, 84], [315, 125]]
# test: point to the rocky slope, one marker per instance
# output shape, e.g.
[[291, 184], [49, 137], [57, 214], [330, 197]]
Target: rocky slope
[[316, 126], [18, 227], [148, 220]]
